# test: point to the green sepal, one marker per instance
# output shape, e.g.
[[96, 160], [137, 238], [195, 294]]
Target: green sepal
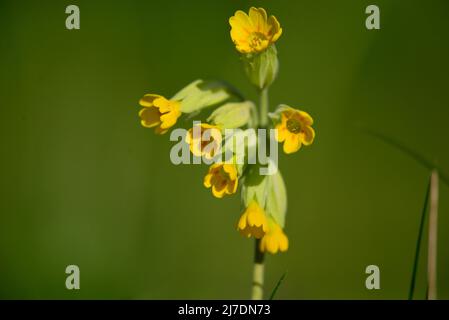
[[202, 94], [232, 115], [254, 186], [276, 202], [262, 68]]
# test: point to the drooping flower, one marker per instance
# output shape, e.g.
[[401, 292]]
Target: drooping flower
[[253, 221], [295, 129], [222, 178], [204, 140], [159, 112], [275, 239], [254, 32]]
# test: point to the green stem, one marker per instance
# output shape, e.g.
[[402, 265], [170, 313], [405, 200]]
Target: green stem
[[432, 238], [264, 108], [258, 272]]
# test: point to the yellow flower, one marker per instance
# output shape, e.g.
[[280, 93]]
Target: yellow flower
[[254, 32], [253, 221], [159, 112], [222, 178], [295, 129], [275, 239], [204, 142]]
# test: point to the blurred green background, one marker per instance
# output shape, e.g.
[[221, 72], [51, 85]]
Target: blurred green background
[[83, 183]]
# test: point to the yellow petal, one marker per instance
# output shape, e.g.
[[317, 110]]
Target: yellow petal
[[195, 148], [308, 135], [292, 143], [232, 186], [283, 243], [230, 170], [168, 120], [218, 191], [207, 179], [272, 245], [242, 222], [159, 130], [239, 36], [275, 28], [163, 104], [305, 118], [241, 20], [188, 137], [147, 100], [258, 18], [244, 47], [282, 132]]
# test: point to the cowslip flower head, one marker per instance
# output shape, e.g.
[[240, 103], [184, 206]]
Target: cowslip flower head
[[204, 140], [275, 239], [222, 178], [254, 32], [253, 221], [159, 112], [295, 129]]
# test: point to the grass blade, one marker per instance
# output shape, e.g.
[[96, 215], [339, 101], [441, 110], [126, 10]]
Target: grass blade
[[418, 243], [410, 152], [432, 238], [277, 286]]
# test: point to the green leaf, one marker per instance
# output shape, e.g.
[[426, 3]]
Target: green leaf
[[273, 293], [418, 243], [408, 151]]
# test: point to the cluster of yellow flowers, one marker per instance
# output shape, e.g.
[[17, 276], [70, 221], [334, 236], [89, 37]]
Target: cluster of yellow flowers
[[254, 35]]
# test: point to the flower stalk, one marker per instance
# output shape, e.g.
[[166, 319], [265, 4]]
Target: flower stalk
[[259, 267], [264, 103], [432, 238], [258, 272]]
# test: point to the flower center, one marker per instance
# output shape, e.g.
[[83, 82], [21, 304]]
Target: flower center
[[212, 146], [294, 126], [256, 40], [224, 175]]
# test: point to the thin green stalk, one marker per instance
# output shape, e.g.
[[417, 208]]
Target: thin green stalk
[[264, 108], [258, 272], [426, 163], [418, 243], [432, 238], [259, 268], [277, 286], [254, 117]]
